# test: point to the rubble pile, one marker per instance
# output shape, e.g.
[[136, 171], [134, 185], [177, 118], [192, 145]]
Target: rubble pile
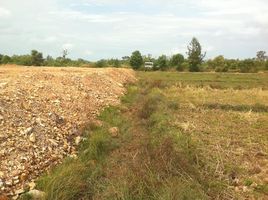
[[42, 111]]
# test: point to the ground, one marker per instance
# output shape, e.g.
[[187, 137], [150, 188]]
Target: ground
[[43, 110], [174, 136]]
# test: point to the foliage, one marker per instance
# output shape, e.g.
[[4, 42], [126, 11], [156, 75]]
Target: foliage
[[195, 56], [36, 58], [261, 56], [177, 61], [136, 60], [248, 65], [162, 62], [101, 63]]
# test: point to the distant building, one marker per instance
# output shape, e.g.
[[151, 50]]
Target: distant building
[[149, 65]]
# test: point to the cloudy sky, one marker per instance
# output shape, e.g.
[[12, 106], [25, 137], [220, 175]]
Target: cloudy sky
[[94, 29]]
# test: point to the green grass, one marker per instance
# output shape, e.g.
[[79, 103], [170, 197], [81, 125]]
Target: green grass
[[214, 80]]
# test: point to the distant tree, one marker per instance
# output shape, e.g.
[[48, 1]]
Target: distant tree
[[266, 65], [248, 65], [218, 64], [6, 59], [100, 63], [195, 55], [261, 56], [114, 62], [136, 60], [162, 62], [36, 58], [176, 61], [1, 56]]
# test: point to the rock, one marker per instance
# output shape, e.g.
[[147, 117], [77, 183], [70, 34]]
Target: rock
[[1, 118], [32, 185], [1, 183], [23, 177], [114, 131], [1, 174], [19, 191], [32, 138], [78, 139], [27, 131], [53, 142], [37, 195], [3, 197], [265, 180]]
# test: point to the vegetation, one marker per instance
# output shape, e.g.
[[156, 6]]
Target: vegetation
[[194, 63], [195, 56], [136, 60], [180, 137]]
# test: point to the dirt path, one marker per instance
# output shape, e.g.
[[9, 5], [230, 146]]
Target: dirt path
[[42, 112]]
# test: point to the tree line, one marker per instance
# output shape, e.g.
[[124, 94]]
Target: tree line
[[194, 62]]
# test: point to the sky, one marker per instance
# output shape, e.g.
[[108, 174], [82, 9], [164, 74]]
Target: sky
[[96, 29]]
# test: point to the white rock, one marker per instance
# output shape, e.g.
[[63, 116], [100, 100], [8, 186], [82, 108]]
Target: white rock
[[32, 138], [78, 139], [1, 183], [37, 195], [32, 185], [27, 131]]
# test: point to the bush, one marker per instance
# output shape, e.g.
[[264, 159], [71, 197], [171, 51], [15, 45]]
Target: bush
[[247, 66]]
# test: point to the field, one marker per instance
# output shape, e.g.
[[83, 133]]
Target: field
[[174, 136]]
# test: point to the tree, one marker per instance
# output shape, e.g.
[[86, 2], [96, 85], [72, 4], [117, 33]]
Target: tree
[[176, 61], [261, 56], [248, 65], [219, 64], [195, 55], [136, 60], [36, 58], [5, 59], [162, 62]]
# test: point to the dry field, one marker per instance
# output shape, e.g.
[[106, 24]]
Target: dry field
[[42, 113]]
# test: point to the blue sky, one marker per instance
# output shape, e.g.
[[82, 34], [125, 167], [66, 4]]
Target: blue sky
[[95, 29]]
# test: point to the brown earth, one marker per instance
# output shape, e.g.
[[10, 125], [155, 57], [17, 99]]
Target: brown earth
[[42, 113]]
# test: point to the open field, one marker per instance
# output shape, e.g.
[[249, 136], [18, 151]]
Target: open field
[[42, 113], [176, 139]]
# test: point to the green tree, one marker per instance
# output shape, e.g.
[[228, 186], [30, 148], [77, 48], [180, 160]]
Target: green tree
[[162, 62], [218, 64], [136, 60], [176, 61], [195, 55], [101, 63], [6, 59], [37, 58], [261, 55], [248, 65]]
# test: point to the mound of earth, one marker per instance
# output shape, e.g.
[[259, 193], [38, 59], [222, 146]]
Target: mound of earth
[[42, 112]]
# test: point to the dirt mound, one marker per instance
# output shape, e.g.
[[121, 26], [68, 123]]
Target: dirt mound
[[42, 111]]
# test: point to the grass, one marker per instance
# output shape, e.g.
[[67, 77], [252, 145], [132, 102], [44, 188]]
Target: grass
[[182, 136]]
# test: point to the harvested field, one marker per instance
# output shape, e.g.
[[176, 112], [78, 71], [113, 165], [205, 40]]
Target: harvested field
[[42, 113]]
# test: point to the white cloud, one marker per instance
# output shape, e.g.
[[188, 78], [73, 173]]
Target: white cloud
[[4, 12]]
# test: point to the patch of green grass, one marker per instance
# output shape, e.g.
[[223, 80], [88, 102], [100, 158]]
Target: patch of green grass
[[75, 177], [214, 80]]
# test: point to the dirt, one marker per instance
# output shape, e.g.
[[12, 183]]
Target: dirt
[[43, 111]]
